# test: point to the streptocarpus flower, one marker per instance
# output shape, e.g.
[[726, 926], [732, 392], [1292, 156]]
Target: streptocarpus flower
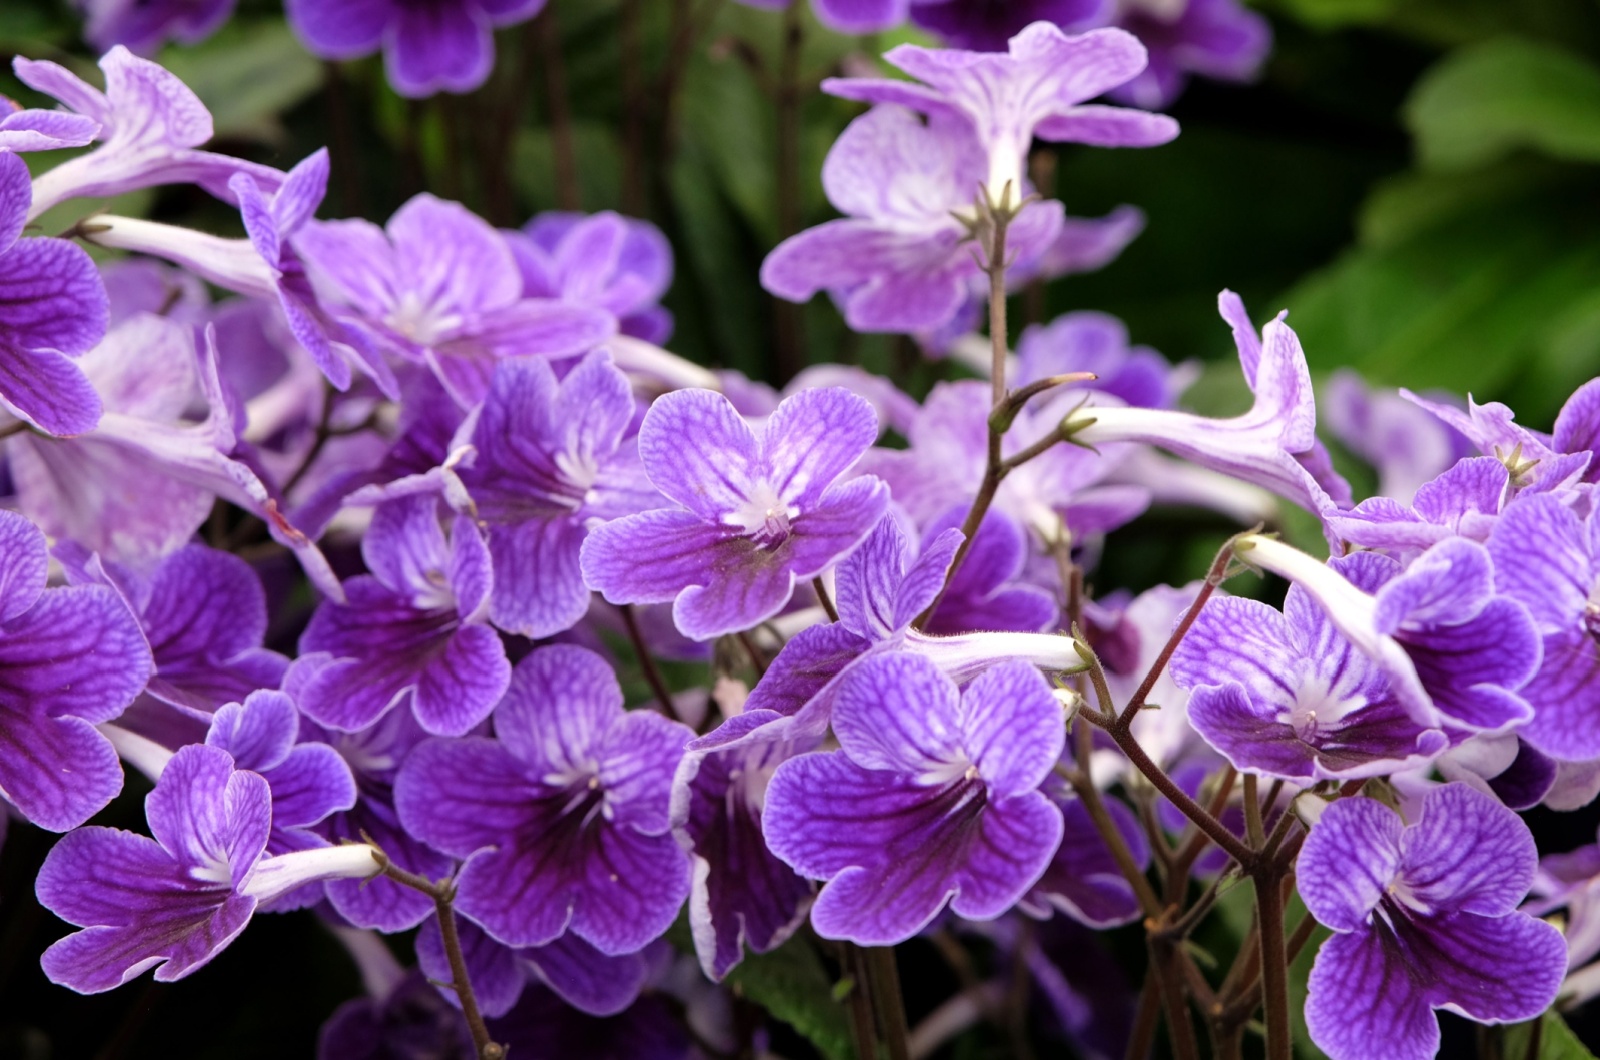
[[1456, 647], [53, 307], [1424, 917], [989, 25], [1037, 88], [1287, 695], [932, 798], [179, 899], [619, 264], [42, 130], [1544, 463], [582, 976], [1571, 880], [144, 25], [1083, 879], [1463, 501], [440, 287], [1264, 446], [150, 124], [549, 462], [427, 47], [1086, 341], [1219, 39], [70, 659], [204, 615], [411, 634], [374, 756], [882, 587], [758, 510], [743, 895], [900, 260], [562, 818], [1548, 558]]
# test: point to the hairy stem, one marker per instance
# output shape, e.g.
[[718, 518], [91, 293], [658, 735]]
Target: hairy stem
[[1274, 964]]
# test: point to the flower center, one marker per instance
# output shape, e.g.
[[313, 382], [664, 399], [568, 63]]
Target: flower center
[[418, 320], [1318, 710], [764, 518]]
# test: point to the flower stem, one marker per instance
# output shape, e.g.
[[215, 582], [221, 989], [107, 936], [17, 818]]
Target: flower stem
[[443, 893], [825, 599], [879, 964], [647, 663], [1274, 963]]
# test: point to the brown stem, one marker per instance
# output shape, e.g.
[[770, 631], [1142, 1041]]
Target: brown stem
[[1180, 1028], [858, 1001], [1214, 829], [1214, 577], [1089, 795], [1145, 1020], [443, 893], [1253, 829], [825, 599], [568, 192], [647, 663], [1274, 965]]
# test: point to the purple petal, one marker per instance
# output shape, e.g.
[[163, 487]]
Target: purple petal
[[1467, 852], [700, 452], [1348, 862], [586, 978], [24, 565], [435, 47], [16, 195], [257, 733], [1363, 1002], [77, 651], [460, 796], [1012, 728], [650, 558], [58, 772], [49, 391], [312, 783], [1083, 879], [1017, 838], [561, 702], [747, 585], [460, 686], [868, 583], [806, 664], [344, 30], [841, 519], [899, 713], [638, 758], [1541, 559], [208, 815], [1105, 126], [539, 589], [812, 438]]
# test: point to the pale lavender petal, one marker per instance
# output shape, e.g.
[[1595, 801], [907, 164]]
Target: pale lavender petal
[[898, 712], [1012, 728], [701, 453], [649, 558], [1105, 126], [24, 565], [812, 438]]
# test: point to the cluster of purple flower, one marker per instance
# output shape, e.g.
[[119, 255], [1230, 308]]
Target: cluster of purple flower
[[448, 45], [532, 479]]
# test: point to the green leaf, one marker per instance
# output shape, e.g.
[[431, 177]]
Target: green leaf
[[792, 985], [1556, 1041], [247, 75], [1483, 102]]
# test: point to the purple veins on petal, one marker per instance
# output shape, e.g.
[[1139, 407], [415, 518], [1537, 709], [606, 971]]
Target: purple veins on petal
[[758, 511]]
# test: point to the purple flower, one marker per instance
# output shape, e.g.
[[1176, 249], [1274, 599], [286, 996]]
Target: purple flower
[[932, 797], [1546, 463], [150, 124], [550, 462], [428, 46], [53, 307], [1083, 879], [374, 756], [1213, 38], [989, 25], [1548, 559], [1572, 880], [1464, 501], [606, 261], [988, 592], [42, 130], [562, 818], [758, 511], [1406, 444], [1287, 695], [1035, 89], [204, 615], [1097, 342], [1273, 445], [1456, 647], [579, 974], [743, 895], [411, 634], [882, 587], [69, 659], [439, 286], [309, 781], [144, 25], [901, 259], [1424, 917], [179, 899]]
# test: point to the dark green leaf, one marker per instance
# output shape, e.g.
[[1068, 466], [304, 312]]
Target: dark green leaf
[[792, 985], [248, 74], [1556, 1041]]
